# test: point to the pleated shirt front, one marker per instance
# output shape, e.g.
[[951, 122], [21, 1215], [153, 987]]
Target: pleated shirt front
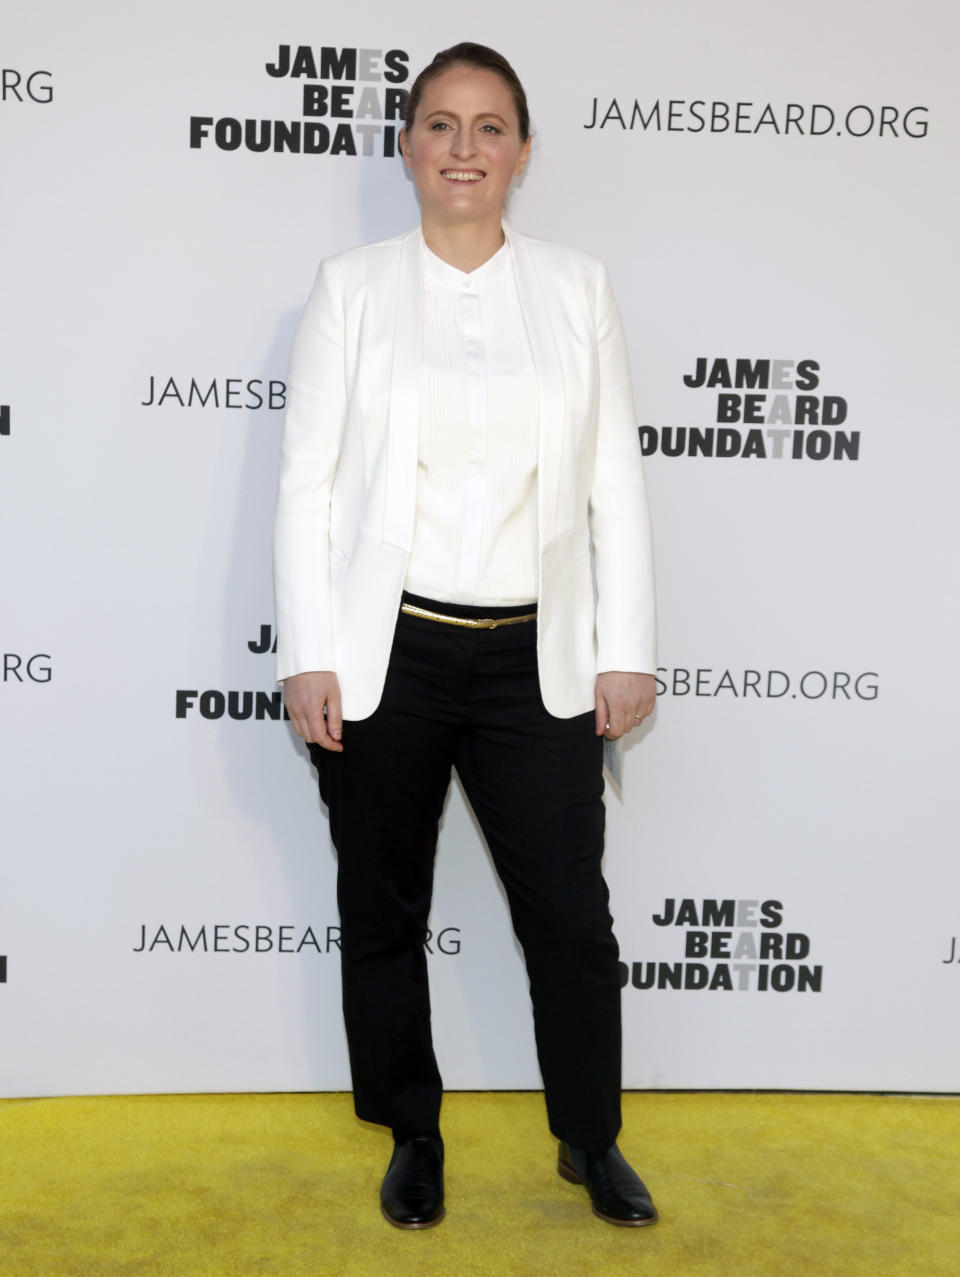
[[475, 537]]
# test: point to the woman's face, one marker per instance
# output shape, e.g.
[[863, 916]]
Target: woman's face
[[464, 146]]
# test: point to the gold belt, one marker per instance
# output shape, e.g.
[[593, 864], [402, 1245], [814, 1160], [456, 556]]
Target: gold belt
[[471, 623]]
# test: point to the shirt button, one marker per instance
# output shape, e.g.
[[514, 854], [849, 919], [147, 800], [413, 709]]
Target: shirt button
[[468, 283]]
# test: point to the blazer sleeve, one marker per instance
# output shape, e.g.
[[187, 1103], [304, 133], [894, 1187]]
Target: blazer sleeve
[[312, 434], [619, 514]]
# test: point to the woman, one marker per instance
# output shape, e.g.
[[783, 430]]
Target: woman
[[459, 436]]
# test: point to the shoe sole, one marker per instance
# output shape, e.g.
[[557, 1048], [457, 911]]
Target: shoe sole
[[399, 1223], [567, 1172]]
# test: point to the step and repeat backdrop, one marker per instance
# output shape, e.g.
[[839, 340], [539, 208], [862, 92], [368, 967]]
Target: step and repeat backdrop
[[775, 193]]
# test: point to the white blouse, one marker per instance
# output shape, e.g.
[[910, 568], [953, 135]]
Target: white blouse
[[475, 535]]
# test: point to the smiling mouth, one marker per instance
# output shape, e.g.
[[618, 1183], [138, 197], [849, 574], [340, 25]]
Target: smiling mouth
[[463, 175]]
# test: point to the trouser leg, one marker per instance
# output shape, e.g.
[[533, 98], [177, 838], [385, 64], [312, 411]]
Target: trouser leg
[[385, 793], [535, 783]]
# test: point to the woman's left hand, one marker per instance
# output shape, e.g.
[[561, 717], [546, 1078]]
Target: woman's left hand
[[623, 701]]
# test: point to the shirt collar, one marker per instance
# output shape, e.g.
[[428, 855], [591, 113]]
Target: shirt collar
[[442, 275]]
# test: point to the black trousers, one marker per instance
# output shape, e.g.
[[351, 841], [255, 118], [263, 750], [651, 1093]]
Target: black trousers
[[470, 699]]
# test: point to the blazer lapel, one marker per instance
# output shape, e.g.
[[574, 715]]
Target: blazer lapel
[[538, 321], [404, 414]]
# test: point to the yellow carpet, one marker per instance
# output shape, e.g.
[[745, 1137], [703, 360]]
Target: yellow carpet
[[288, 1185]]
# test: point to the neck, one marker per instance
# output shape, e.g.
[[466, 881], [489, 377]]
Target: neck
[[465, 246]]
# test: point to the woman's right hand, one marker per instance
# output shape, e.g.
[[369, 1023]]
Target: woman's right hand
[[306, 696]]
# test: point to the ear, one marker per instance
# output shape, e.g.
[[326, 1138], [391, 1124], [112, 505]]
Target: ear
[[403, 143], [522, 158]]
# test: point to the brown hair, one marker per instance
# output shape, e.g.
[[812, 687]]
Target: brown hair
[[472, 55]]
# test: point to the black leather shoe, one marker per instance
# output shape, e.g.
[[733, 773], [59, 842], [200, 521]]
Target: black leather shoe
[[412, 1192], [618, 1193]]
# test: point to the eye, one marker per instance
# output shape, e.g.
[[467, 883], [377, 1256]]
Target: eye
[[492, 127], [439, 124]]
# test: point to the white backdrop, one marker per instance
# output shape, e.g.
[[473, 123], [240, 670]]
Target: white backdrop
[[802, 751]]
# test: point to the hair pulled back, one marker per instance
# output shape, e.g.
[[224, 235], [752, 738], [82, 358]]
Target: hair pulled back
[[471, 55]]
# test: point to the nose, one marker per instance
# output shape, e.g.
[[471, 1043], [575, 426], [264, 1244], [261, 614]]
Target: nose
[[461, 144]]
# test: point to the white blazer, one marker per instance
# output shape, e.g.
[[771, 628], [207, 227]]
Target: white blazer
[[348, 474]]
